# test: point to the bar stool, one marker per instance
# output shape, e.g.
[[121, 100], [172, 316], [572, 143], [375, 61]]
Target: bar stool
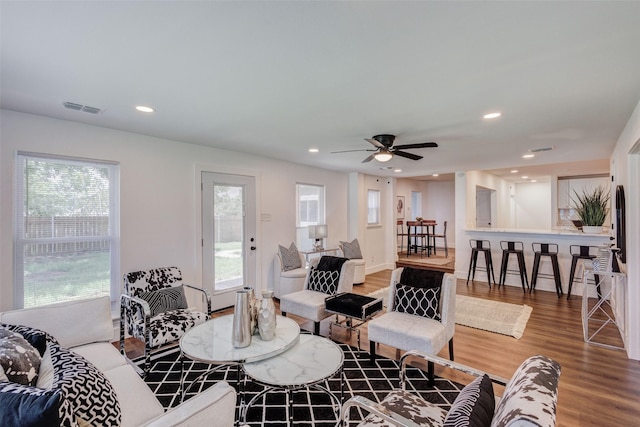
[[584, 253], [550, 250], [483, 246], [516, 248]]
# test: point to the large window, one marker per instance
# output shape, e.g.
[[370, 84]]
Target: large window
[[310, 203], [373, 207], [66, 229]]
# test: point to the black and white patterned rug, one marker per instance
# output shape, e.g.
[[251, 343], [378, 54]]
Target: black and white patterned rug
[[310, 407]]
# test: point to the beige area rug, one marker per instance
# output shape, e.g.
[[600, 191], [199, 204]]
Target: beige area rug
[[493, 316]]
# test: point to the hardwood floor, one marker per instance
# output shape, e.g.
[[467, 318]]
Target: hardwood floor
[[598, 386]]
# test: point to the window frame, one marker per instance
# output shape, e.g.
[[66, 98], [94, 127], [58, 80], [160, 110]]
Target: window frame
[[21, 241], [321, 208], [373, 209]]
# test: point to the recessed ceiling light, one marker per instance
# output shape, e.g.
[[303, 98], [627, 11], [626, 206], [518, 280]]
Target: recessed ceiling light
[[514, 171], [533, 180], [397, 170], [145, 109], [435, 174], [492, 115], [525, 177], [313, 150], [528, 156]]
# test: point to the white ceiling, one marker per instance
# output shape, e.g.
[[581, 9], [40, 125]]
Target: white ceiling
[[276, 77]]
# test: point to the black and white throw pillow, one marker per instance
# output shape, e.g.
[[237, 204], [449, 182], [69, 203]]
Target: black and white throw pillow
[[19, 359], [89, 393], [35, 337], [351, 249], [324, 281], [166, 299], [418, 301], [290, 257], [474, 406]]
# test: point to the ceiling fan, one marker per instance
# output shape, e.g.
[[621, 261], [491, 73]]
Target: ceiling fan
[[385, 150]]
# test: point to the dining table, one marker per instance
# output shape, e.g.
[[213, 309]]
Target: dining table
[[422, 234]]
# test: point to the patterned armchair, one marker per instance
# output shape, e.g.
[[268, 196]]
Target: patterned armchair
[[154, 309], [529, 398]]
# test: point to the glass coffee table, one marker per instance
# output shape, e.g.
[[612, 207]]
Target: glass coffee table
[[211, 343], [308, 364]]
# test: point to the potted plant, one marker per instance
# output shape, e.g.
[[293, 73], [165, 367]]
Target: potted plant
[[592, 208]]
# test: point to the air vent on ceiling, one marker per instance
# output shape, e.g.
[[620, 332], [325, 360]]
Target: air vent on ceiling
[[537, 150], [80, 107]]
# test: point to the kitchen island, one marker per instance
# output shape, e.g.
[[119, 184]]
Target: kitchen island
[[564, 238]]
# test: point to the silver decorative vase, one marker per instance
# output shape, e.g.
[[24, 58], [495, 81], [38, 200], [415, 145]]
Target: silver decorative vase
[[253, 310], [241, 333], [267, 316]]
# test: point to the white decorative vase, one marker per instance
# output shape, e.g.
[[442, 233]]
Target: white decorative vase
[[267, 316], [592, 229]]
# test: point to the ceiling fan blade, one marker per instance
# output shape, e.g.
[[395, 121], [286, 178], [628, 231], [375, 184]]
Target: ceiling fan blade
[[407, 155], [350, 151], [420, 145], [374, 142], [371, 157]]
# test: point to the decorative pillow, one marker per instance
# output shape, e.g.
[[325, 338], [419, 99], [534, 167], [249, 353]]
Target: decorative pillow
[[19, 359], [165, 299], [324, 281], [25, 406], [351, 250], [3, 376], [290, 257], [35, 337], [421, 278], [45, 375], [474, 405], [88, 391], [330, 263], [417, 301], [531, 395]]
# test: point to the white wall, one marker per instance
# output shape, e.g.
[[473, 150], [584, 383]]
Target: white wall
[[440, 205], [159, 193], [532, 205], [625, 169], [404, 187], [502, 194]]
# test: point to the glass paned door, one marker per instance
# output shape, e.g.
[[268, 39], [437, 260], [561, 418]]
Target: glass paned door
[[228, 235]]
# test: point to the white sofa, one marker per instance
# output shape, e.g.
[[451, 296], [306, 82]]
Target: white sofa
[[86, 328]]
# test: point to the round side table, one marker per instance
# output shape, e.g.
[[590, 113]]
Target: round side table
[[310, 362]]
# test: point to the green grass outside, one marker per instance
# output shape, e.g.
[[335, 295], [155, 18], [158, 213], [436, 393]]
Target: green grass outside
[[50, 279]]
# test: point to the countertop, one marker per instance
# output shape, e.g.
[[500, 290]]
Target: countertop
[[553, 232]]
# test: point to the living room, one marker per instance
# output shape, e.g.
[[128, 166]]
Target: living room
[[160, 218]]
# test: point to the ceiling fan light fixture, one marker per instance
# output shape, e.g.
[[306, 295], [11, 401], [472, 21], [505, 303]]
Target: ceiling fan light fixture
[[383, 156]]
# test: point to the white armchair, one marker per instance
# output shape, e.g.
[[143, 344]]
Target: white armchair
[[427, 333], [309, 303], [288, 281]]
